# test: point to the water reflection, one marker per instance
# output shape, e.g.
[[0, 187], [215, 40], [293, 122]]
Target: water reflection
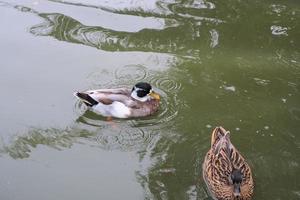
[[187, 24], [22, 145], [119, 134], [111, 136], [65, 28], [189, 31], [233, 73], [150, 8]]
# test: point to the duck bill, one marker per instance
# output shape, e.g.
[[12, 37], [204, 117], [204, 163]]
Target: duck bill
[[154, 95], [237, 190]]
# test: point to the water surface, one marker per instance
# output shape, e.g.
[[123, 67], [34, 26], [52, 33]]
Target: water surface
[[233, 63]]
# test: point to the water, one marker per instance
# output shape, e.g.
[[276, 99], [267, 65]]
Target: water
[[233, 63]]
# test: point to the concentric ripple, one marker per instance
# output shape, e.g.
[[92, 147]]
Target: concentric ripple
[[114, 134], [100, 79], [131, 72], [168, 88], [295, 113], [123, 137], [165, 84]]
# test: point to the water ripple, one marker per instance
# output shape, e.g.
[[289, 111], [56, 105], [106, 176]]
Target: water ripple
[[165, 84], [168, 88], [110, 136], [278, 8], [131, 72], [100, 79], [261, 82], [295, 113], [65, 28], [200, 4], [167, 112], [123, 137], [22, 145]]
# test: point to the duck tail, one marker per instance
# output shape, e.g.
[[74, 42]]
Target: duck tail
[[217, 134], [86, 99]]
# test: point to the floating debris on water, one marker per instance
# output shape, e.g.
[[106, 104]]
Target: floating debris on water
[[208, 126], [192, 192], [167, 170], [214, 38], [283, 100], [277, 8], [262, 82], [279, 30], [229, 88], [266, 127], [161, 184]]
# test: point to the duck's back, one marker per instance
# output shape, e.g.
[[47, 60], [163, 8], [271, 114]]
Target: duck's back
[[220, 161]]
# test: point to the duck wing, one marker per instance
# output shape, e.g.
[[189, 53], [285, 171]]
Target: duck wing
[[216, 173], [108, 96], [121, 91]]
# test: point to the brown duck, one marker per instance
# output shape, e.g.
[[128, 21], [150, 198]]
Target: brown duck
[[225, 172], [140, 101]]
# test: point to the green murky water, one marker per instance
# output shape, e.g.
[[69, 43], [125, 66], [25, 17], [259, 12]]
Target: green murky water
[[231, 63]]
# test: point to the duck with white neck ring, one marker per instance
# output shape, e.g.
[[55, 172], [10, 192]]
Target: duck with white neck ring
[[140, 101]]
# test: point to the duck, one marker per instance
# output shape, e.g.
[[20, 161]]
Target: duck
[[140, 101], [225, 171]]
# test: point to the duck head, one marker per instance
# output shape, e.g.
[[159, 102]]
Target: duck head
[[236, 178], [143, 92]]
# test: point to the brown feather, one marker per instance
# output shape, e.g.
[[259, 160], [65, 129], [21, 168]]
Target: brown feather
[[218, 166]]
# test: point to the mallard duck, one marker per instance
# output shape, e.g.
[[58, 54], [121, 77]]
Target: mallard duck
[[225, 172], [140, 101]]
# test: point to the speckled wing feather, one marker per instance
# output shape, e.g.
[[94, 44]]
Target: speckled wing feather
[[217, 174]]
